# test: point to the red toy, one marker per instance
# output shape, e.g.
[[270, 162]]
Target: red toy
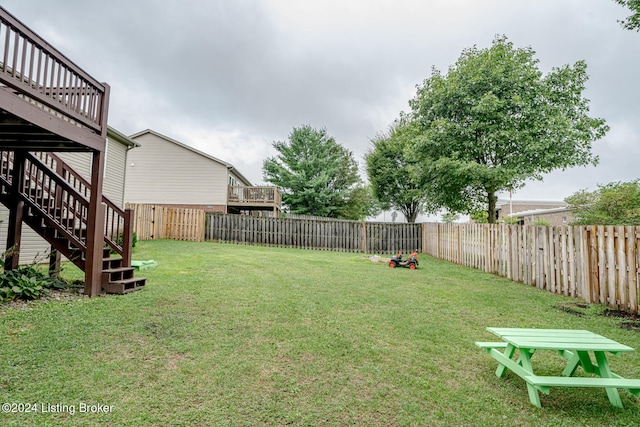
[[411, 262]]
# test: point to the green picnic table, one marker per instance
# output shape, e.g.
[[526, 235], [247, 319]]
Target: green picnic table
[[574, 345]]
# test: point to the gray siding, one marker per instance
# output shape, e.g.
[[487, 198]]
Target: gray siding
[[115, 168], [163, 172]]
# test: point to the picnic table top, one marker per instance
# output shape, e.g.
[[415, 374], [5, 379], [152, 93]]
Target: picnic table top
[[558, 339]]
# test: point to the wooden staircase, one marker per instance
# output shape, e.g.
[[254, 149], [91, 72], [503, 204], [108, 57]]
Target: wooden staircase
[[54, 200], [117, 279]]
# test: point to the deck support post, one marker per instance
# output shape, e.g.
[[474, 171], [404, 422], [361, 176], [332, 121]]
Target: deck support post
[[54, 262], [95, 232], [16, 212]]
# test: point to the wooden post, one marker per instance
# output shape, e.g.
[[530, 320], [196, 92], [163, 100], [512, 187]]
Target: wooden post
[[634, 284], [438, 234], [54, 262], [621, 263], [572, 259], [611, 267], [459, 258], [16, 212], [14, 235], [602, 264], [95, 232], [594, 262], [584, 264], [127, 238]]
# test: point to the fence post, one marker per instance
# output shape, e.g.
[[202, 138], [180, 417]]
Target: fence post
[[632, 283], [363, 237]]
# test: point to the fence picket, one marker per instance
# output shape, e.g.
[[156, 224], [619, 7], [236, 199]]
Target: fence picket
[[621, 266]]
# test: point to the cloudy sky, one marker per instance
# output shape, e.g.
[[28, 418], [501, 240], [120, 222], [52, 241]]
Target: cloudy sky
[[229, 77]]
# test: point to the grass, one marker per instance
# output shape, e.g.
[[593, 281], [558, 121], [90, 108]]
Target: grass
[[242, 335]]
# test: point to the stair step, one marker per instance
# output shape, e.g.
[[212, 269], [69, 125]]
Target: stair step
[[111, 263], [115, 274], [124, 286]]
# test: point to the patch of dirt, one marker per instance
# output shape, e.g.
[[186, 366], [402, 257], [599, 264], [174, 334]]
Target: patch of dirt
[[631, 321], [620, 314], [631, 326], [53, 295], [571, 311], [575, 304]]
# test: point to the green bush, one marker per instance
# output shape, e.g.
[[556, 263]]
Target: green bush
[[27, 283], [134, 239], [509, 220]]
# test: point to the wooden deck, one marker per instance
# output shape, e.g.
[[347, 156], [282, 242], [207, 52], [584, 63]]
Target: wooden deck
[[47, 103], [260, 198]]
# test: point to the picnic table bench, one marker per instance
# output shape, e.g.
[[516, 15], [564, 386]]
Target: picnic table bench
[[573, 345]]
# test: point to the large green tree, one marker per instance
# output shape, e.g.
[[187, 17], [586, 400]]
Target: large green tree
[[633, 21], [317, 176], [390, 172], [616, 203], [494, 121]]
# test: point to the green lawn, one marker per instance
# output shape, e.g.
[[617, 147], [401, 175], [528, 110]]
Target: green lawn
[[244, 335]]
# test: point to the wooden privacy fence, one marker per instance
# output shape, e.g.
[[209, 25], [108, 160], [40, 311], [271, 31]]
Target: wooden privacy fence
[[596, 263], [334, 235], [161, 222]]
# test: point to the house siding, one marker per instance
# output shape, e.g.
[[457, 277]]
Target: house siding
[[162, 172], [504, 207], [555, 219], [115, 167]]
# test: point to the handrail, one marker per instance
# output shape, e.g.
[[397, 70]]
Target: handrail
[[60, 203], [254, 194], [41, 74], [115, 221], [65, 200]]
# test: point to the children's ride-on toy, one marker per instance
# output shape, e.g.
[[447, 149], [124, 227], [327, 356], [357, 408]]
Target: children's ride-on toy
[[411, 261]]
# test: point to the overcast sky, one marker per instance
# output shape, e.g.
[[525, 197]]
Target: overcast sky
[[229, 77]]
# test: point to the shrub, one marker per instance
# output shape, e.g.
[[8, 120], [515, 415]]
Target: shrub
[[27, 282], [134, 239], [509, 220]]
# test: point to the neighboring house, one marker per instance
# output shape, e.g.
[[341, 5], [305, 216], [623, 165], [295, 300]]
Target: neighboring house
[[553, 212], [554, 216], [166, 172], [33, 246]]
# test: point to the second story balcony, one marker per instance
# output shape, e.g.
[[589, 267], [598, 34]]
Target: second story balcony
[[47, 103], [260, 198]]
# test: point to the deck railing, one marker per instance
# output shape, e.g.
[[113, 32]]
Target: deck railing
[[36, 72], [255, 195], [117, 233]]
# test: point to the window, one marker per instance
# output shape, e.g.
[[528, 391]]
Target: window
[[564, 219]]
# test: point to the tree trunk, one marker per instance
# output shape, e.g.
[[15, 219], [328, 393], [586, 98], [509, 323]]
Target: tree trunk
[[491, 210], [410, 212]]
